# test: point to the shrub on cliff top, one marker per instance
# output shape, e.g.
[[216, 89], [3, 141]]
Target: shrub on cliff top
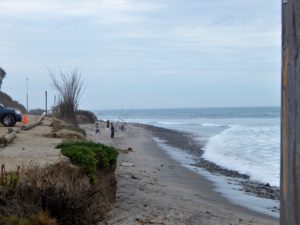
[[89, 156], [57, 194]]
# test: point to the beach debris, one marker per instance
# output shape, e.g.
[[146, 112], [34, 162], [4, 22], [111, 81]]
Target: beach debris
[[126, 150], [148, 221], [134, 177], [127, 164], [171, 166]]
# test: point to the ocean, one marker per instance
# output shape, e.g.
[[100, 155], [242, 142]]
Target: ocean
[[243, 139]]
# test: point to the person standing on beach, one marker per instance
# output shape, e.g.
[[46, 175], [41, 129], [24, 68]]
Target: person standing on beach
[[112, 129], [107, 123], [123, 127], [97, 128]]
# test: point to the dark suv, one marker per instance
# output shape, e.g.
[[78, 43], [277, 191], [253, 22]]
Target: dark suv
[[9, 116]]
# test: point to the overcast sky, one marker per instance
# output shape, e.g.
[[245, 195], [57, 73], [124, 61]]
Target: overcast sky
[[145, 53]]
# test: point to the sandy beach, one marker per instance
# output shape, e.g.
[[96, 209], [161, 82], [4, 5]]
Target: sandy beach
[[154, 189]]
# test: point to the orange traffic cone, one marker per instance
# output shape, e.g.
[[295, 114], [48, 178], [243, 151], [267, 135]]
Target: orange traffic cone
[[25, 120]]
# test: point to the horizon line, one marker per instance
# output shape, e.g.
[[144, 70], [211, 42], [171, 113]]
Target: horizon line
[[169, 108]]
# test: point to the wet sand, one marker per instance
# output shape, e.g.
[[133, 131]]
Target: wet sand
[[188, 143]]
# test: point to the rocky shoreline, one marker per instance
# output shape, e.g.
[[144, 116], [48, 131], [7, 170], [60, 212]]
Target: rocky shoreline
[[187, 142]]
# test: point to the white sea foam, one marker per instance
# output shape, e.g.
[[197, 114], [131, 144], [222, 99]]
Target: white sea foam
[[251, 149], [212, 125]]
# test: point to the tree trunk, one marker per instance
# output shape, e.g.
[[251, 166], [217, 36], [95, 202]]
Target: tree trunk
[[290, 114]]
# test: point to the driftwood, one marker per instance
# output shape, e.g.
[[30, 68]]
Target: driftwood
[[5, 139], [290, 117], [15, 129], [9, 137], [31, 125]]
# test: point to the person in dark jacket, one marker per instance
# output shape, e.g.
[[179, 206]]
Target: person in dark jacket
[[112, 129], [97, 128]]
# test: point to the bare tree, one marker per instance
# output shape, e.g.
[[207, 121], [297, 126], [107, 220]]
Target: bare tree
[[69, 87]]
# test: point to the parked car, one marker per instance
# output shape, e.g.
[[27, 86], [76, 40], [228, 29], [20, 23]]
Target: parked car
[[9, 116]]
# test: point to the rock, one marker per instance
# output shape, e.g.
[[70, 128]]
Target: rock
[[127, 164]]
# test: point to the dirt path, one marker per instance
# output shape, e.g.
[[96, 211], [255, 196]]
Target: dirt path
[[30, 147]]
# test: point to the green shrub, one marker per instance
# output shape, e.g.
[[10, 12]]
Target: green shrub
[[82, 156], [89, 156]]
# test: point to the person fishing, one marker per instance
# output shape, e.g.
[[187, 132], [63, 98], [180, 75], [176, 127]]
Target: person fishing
[[97, 128]]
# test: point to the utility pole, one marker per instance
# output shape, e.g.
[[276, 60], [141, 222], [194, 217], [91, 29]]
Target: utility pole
[[290, 114], [27, 94], [46, 102]]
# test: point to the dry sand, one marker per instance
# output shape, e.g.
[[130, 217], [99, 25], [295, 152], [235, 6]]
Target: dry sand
[[30, 148], [154, 189]]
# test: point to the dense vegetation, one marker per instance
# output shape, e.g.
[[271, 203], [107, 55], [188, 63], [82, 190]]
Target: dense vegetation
[[89, 156], [60, 194]]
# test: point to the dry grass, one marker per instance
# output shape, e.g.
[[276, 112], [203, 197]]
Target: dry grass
[[40, 219], [63, 190]]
